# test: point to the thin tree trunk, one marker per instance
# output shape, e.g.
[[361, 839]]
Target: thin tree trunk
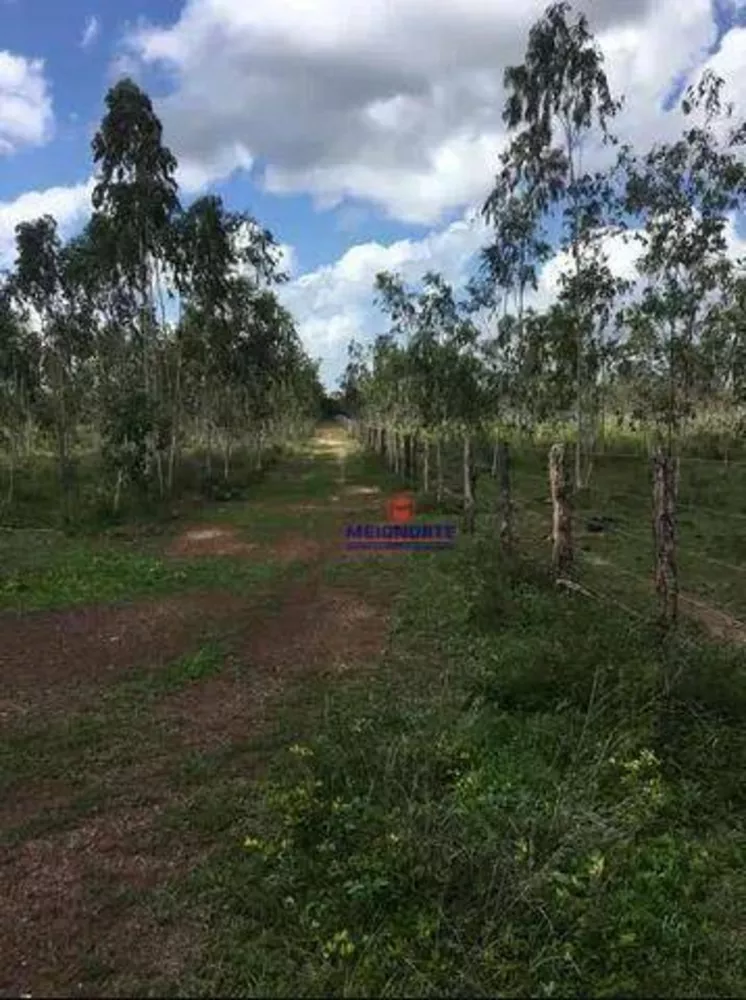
[[159, 471], [175, 421], [226, 458], [426, 467], [562, 551], [259, 446], [665, 486], [11, 476], [468, 486], [118, 491], [439, 471], [208, 442], [506, 504]]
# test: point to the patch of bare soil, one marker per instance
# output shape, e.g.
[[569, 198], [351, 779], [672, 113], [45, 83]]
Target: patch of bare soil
[[362, 491], [216, 540], [70, 898], [296, 548], [63, 902], [60, 659], [211, 540], [317, 630]]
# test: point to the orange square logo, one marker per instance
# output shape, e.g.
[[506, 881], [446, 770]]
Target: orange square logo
[[400, 508]]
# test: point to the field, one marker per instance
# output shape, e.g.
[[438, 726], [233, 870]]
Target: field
[[613, 529], [236, 761]]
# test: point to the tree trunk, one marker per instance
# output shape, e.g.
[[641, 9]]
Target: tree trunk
[[409, 457], [259, 447], [11, 477], [426, 466], [506, 504], [118, 491], [175, 421], [208, 442], [439, 471], [562, 550], [469, 503], [226, 458], [665, 486], [159, 471]]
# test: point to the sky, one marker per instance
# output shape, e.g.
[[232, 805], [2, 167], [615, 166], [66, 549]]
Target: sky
[[364, 136]]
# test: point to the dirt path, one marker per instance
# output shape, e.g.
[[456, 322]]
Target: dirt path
[[93, 767]]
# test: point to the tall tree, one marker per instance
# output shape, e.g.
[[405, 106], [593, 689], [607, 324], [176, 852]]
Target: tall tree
[[557, 98], [44, 282], [136, 192]]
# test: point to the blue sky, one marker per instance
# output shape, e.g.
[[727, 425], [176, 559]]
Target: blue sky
[[362, 136]]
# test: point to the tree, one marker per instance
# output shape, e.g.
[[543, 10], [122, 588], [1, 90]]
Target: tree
[[682, 195], [556, 98], [20, 351], [136, 192], [46, 280]]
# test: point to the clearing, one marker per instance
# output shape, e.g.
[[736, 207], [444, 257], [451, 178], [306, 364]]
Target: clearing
[[116, 713], [236, 761]]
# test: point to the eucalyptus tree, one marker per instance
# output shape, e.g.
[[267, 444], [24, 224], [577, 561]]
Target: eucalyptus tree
[[136, 192], [426, 374], [393, 364], [20, 356], [682, 195], [205, 258], [352, 382], [510, 264], [46, 280], [557, 99]]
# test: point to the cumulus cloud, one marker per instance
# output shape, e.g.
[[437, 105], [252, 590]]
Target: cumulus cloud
[[399, 104], [26, 117], [69, 205], [195, 176], [91, 31], [335, 303]]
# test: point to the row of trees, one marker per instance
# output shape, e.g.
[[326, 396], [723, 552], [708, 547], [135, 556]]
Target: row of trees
[[656, 346], [156, 325]]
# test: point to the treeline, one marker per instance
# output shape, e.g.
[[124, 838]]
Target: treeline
[[155, 329], [663, 347]]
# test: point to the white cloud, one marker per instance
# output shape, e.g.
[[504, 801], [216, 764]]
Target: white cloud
[[26, 117], [400, 104], [195, 176], [335, 303], [91, 31], [69, 205]]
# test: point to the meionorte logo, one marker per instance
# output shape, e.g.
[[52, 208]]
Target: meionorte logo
[[400, 532]]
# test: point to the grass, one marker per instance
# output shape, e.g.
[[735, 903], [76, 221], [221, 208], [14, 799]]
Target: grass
[[515, 807], [711, 523], [532, 795], [73, 573], [89, 743]]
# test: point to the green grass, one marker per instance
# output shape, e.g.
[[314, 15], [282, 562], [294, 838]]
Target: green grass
[[711, 523], [514, 807], [42, 568], [83, 742], [532, 795], [81, 572], [37, 499]]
